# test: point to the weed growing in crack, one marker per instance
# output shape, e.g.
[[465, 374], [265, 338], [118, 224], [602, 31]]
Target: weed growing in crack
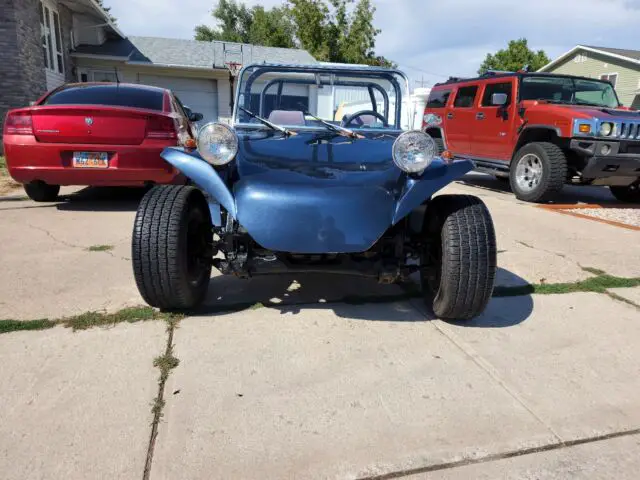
[[166, 363], [88, 320], [100, 248]]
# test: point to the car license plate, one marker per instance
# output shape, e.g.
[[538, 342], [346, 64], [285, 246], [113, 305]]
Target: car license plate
[[90, 160]]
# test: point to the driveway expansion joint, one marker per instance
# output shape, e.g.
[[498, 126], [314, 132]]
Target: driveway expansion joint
[[165, 363], [503, 456]]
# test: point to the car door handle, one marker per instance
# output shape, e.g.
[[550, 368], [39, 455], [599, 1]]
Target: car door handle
[[450, 116], [480, 116]]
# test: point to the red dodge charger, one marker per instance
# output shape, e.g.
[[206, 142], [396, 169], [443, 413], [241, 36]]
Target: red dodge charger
[[95, 134]]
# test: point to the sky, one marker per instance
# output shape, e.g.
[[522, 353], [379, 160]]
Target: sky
[[433, 39]]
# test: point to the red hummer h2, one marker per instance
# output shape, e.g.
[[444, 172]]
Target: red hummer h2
[[540, 131]]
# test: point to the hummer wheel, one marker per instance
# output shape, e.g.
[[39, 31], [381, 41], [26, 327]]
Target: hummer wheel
[[538, 172], [459, 264], [171, 247], [629, 194]]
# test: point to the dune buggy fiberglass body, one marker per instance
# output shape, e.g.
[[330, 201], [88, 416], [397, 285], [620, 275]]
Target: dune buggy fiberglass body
[[316, 174]]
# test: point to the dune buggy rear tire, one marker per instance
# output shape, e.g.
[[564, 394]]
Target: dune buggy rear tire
[[39, 191], [459, 263], [171, 246]]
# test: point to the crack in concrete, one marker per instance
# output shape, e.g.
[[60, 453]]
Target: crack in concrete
[[503, 456], [159, 402], [72, 245], [491, 371], [561, 255]]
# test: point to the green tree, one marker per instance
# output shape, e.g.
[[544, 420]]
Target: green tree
[[331, 30], [107, 9], [514, 57], [337, 30]]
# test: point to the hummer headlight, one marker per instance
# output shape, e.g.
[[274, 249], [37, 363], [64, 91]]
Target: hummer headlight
[[413, 151], [217, 143], [606, 129]]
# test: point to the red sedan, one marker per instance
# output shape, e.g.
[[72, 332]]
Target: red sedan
[[95, 134]]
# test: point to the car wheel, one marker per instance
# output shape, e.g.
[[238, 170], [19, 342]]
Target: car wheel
[[39, 191], [629, 194], [459, 261], [538, 172], [172, 246]]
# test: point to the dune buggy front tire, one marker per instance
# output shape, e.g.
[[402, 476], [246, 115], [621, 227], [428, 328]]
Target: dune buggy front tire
[[39, 191], [459, 260], [171, 247]]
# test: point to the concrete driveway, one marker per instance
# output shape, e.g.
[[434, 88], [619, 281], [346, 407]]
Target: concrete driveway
[[317, 377]]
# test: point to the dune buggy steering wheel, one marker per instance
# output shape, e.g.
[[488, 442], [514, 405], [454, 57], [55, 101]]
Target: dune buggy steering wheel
[[356, 116]]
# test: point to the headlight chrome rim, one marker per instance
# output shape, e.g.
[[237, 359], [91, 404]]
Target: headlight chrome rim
[[221, 137], [606, 129], [407, 164]]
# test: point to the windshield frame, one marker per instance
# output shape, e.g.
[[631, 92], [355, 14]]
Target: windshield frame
[[396, 78], [573, 78]]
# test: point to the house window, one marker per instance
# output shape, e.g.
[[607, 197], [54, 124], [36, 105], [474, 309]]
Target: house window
[[97, 76], [51, 38], [580, 58], [611, 77]]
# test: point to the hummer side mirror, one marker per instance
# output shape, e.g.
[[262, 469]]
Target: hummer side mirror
[[191, 115], [499, 99]]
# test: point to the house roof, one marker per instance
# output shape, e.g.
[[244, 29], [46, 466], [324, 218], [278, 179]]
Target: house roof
[[180, 53], [634, 54], [92, 7], [631, 56]]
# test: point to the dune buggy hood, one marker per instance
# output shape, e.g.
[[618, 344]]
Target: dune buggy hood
[[315, 192]]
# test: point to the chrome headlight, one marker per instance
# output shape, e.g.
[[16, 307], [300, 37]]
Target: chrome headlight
[[606, 129], [217, 143], [414, 151]]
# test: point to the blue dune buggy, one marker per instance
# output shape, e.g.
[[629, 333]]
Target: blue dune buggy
[[317, 174]]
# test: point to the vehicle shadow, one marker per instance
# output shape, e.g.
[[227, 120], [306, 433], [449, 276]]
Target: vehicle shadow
[[102, 199], [348, 297], [570, 194]]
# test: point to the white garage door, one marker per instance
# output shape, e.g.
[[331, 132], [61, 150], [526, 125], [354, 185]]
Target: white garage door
[[199, 94]]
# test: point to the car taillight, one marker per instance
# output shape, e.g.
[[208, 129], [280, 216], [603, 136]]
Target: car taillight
[[18, 123], [162, 128]]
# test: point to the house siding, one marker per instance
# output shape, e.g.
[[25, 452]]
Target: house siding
[[596, 65], [23, 77]]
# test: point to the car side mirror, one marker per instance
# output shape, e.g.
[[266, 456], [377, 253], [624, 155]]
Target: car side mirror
[[195, 116], [499, 99]]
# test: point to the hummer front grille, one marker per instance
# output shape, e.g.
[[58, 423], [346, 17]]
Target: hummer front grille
[[628, 130]]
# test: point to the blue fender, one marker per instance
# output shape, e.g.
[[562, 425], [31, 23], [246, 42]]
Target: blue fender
[[417, 190], [203, 175], [320, 210]]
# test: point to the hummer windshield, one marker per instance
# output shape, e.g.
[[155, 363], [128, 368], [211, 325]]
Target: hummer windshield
[[321, 97], [568, 90]]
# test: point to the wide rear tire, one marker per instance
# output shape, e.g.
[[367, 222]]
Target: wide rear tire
[[171, 247], [39, 191], [461, 257]]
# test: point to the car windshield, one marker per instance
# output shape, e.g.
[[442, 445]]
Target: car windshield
[[568, 90], [291, 96]]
